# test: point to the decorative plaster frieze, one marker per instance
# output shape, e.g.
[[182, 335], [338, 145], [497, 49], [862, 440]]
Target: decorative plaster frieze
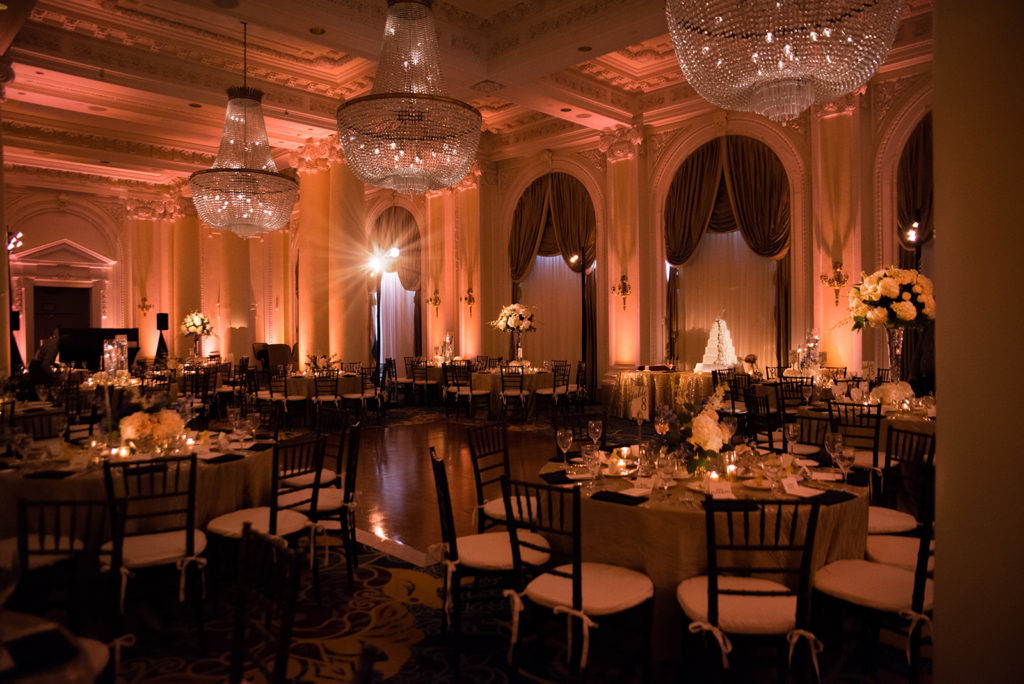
[[153, 210], [6, 76], [596, 158], [74, 177], [845, 104], [591, 90], [318, 154], [885, 94], [18, 130], [621, 143]]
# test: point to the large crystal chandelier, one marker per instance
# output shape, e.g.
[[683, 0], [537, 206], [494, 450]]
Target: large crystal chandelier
[[406, 134], [778, 57], [243, 191]]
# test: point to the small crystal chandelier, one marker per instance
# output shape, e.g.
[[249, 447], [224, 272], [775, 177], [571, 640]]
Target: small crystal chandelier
[[406, 134], [778, 57], [244, 192]]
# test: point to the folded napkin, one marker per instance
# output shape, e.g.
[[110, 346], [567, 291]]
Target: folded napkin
[[556, 477], [827, 476], [223, 443], [620, 497]]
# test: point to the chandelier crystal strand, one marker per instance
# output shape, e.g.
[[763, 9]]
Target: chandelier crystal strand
[[243, 191], [406, 134], [778, 57]]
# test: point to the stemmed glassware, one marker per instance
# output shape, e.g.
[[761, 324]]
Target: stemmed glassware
[[730, 423], [807, 390], [792, 435], [235, 418], [666, 465], [772, 467], [43, 392], [845, 460], [834, 446], [594, 428], [564, 439]]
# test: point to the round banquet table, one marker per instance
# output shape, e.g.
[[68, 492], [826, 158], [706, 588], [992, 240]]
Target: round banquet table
[[665, 538], [533, 380], [220, 487], [650, 389], [75, 668]]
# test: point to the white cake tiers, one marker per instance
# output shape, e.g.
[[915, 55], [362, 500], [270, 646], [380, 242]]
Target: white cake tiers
[[719, 354]]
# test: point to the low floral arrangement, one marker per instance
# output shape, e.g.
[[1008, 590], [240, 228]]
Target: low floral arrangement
[[892, 297], [892, 393], [514, 318], [196, 323], [322, 362], [161, 426], [697, 432]]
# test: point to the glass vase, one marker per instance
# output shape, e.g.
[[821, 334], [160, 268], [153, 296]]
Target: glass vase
[[894, 337]]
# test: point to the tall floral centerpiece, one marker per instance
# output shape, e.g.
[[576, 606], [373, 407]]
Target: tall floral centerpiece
[[894, 299], [198, 326], [695, 431], [515, 319]]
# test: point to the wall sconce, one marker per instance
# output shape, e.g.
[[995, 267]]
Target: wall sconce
[[145, 306], [836, 279], [622, 289], [434, 300], [470, 301]]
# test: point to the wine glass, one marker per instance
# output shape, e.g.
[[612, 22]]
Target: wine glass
[[43, 392], [594, 428], [666, 465], [730, 423], [564, 439], [834, 445], [772, 467], [235, 417], [792, 435], [845, 460], [807, 391]]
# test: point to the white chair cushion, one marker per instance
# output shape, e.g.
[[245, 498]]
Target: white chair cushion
[[97, 653], [161, 548], [495, 508], [360, 395], [9, 551], [863, 459], [873, 585], [326, 477], [776, 438], [230, 524], [889, 521], [328, 499], [740, 614], [493, 550], [895, 550], [607, 589], [515, 393]]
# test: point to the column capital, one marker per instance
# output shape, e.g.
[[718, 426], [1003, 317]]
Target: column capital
[[621, 143]]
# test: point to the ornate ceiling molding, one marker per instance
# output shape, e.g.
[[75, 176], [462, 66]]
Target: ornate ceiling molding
[[621, 143], [73, 178], [20, 130]]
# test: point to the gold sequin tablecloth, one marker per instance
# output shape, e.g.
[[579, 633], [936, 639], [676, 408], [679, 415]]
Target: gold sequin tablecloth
[[647, 390]]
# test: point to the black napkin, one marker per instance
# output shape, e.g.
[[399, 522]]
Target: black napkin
[[618, 497], [259, 447], [556, 477], [263, 435], [49, 474], [34, 409], [224, 458], [834, 496]]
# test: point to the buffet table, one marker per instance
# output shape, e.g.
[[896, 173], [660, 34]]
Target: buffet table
[[650, 389]]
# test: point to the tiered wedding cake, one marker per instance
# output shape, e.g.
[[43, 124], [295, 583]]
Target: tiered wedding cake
[[719, 354]]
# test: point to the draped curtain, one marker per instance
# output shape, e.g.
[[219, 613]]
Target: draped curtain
[[397, 310], [553, 292], [396, 227], [734, 182], [555, 216]]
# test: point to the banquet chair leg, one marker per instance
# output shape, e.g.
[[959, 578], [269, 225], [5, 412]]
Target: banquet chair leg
[[194, 575]]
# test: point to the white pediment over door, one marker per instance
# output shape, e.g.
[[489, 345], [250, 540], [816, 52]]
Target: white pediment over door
[[61, 252]]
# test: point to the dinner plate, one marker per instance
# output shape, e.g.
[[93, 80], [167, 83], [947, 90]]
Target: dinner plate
[[624, 472], [807, 462], [752, 484], [579, 476]]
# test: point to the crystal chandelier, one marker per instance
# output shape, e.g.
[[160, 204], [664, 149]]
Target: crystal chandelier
[[778, 57], [244, 192], [406, 134]]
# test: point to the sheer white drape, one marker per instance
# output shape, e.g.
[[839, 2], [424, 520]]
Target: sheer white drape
[[724, 277], [553, 292], [396, 318]]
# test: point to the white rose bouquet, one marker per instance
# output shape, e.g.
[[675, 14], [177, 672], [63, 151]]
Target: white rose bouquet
[[892, 392], [158, 426], [892, 297], [514, 318], [700, 429], [196, 323]]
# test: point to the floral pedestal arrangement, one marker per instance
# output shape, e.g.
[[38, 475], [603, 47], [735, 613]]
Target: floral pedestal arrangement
[[197, 325], [894, 299], [515, 319]]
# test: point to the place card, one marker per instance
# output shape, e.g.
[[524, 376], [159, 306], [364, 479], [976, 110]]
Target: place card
[[636, 491], [721, 489], [794, 488]]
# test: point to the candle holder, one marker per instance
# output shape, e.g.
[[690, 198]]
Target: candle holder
[[836, 280], [145, 306], [622, 289], [434, 300], [470, 300]]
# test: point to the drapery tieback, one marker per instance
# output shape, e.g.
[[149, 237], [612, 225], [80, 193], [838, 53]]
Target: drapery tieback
[[125, 574], [570, 613], [723, 641], [916, 619], [449, 575], [812, 641]]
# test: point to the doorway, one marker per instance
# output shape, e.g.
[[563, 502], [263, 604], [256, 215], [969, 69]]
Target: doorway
[[67, 307]]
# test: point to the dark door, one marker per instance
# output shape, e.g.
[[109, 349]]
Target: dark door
[[67, 307]]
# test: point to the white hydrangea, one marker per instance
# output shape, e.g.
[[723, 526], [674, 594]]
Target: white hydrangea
[[889, 288], [905, 311]]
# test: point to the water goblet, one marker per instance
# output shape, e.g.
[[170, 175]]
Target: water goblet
[[807, 391], [792, 435], [43, 392], [666, 465], [845, 460], [772, 467], [730, 423], [234, 417], [564, 439], [834, 445], [594, 429]]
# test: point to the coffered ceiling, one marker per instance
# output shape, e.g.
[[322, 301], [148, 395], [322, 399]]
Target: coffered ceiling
[[133, 90]]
